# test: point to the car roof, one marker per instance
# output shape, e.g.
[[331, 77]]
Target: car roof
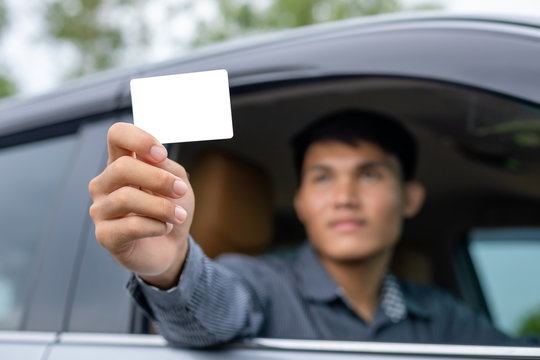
[[494, 53]]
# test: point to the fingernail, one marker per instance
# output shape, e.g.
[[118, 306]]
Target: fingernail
[[158, 153], [179, 187], [180, 214]]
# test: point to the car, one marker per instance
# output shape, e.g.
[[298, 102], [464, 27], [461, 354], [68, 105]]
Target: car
[[467, 86]]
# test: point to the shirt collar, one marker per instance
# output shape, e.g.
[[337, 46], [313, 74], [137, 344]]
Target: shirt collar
[[316, 284], [392, 300], [414, 307]]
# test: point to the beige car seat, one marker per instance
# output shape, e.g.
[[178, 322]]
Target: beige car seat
[[234, 205]]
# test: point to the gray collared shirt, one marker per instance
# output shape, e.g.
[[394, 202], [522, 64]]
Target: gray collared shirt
[[238, 297]]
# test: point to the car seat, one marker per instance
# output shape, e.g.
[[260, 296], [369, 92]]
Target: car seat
[[234, 205]]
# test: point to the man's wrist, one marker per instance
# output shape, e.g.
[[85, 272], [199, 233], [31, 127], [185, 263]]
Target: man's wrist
[[170, 278]]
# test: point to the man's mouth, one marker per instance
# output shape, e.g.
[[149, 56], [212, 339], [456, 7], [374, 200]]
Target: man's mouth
[[344, 225]]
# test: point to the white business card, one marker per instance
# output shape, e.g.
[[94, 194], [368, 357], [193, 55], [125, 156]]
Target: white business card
[[184, 107]]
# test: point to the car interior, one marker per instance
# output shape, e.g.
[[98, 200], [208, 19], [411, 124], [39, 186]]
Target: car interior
[[479, 161]]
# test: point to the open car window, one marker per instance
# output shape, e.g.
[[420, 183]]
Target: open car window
[[478, 160]]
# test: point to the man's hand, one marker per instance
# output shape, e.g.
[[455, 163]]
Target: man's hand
[[143, 206]]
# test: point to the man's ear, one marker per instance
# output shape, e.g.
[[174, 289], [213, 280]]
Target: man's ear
[[415, 193]]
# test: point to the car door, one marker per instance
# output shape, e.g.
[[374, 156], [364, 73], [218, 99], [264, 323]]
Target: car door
[[44, 218]]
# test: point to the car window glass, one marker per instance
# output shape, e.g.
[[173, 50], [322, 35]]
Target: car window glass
[[31, 177], [101, 302], [506, 262]]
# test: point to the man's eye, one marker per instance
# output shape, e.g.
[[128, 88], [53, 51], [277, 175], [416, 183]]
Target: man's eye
[[321, 178], [371, 175]]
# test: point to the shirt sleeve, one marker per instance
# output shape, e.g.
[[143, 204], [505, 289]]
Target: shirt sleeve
[[211, 305]]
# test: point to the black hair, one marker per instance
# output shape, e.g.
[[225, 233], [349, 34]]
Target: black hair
[[349, 127]]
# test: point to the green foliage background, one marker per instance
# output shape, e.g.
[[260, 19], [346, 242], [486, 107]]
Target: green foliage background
[[531, 325], [81, 23], [102, 32], [240, 17], [7, 85]]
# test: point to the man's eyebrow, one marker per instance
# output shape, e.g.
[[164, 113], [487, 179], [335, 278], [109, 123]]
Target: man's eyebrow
[[385, 164], [375, 163], [360, 166], [318, 167]]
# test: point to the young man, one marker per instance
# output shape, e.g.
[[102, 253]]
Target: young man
[[356, 185]]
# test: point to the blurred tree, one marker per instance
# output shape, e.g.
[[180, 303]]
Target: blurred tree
[[234, 18], [531, 325], [95, 29], [7, 85], [108, 33], [239, 17], [3, 16]]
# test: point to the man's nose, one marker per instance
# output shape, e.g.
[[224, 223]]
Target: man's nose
[[347, 194]]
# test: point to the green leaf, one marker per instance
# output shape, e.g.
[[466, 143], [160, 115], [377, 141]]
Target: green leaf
[[98, 40], [3, 16], [7, 87], [531, 324]]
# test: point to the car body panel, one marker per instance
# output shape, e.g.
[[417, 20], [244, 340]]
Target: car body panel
[[92, 346], [52, 346], [25, 345]]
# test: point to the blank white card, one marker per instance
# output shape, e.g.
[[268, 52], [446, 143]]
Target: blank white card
[[184, 107]]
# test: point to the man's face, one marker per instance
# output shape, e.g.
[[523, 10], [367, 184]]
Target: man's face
[[351, 200]]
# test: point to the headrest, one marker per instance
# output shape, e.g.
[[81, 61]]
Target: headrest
[[233, 205]]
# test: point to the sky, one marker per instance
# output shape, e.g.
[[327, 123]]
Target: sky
[[39, 69]]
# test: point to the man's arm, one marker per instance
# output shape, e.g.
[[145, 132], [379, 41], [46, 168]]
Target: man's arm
[[143, 208]]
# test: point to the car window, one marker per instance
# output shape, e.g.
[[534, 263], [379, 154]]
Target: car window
[[506, 262], [32, 174], [101, 302]]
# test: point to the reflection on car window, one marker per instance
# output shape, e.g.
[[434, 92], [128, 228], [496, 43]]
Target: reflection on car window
[[25, 209], [506, 261]]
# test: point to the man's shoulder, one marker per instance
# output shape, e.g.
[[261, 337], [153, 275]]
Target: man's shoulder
[[421, 291], [437, 303], [430, 298], [453, 319]]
